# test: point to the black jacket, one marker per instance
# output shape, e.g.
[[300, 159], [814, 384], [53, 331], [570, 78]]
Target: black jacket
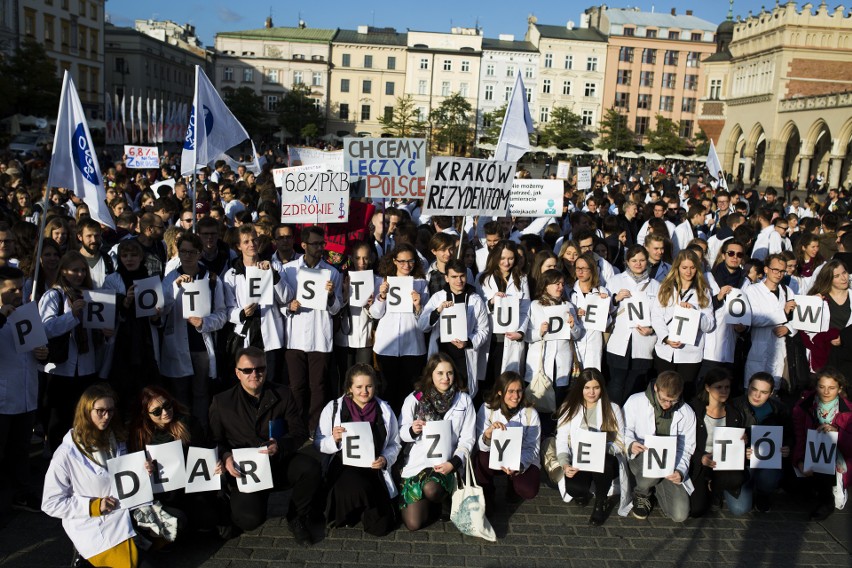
[[779, 416], [733, 419]]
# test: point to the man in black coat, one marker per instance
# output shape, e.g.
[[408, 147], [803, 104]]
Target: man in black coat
[[261, 414]]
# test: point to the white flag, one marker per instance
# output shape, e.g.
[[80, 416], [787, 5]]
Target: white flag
[[133, 139], [139, 118], [123, 120], [160, 121], [151, 119], [73, 163], [212, 129], [714, 166], [514, 139]]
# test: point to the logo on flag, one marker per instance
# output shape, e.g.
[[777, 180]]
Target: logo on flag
[[83, 155]]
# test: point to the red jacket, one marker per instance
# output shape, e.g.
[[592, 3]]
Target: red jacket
[[804, 419]]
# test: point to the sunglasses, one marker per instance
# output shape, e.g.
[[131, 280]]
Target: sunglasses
[[733, 254], [250, 370], [167, 407]]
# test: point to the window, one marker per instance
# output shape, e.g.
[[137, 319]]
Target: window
[[344, 111], [544, 114], [344, 85], [545, 86], [463, 89], [625, 54], [271, 76], [690, 82], [297, 78], [641, 125], [669, 80], [590, 90], [391, 63], [695, 36], [646, 78], [422, 87], [448, 65], [227, 75], [489, 92], [29, 22], [368, 61], [566, 87], [548, 60], [489, 70], [388, 113], [424, 63], [622, 100], [529, 94], [510, 71], [649, 56], [629, 32], [271, 102], [365, 112], [693, 59], [367, 86], [346, 60], [445, 89], [686, 128], [667, 103], [486, 120], [674, 35], [623, 77], [591, 64], [528, 73], [688, 104], [389, 88], [248, 75], [298, 56], [715, 89], [569, 61], [644, 102], [670, 58], [316, 79], [465, 66], [588, 117], [508, 94], [651, 33]]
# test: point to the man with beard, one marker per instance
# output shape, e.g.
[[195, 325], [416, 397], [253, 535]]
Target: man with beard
[[100, 265]]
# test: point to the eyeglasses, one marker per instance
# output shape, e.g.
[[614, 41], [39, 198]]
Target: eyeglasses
[[776, 270], [733, 254], [780, 228], [284, 238], [667, 400], [103, 412], [409, 262], [166, 407], [316, 244], [579, 269], [250, 370], [191, 252]]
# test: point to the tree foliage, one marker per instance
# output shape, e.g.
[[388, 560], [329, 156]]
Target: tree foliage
[[615, 135], [665, 138], [491, 134], [405, 121], [452, 124], [248, 108], [565, 130], [298, 109], [30, 82], [701, 142]]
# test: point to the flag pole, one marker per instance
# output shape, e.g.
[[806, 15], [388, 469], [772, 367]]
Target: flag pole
[[194, 200], [42, 222]]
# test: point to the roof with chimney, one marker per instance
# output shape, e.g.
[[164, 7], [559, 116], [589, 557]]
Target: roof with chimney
[[576, 34]]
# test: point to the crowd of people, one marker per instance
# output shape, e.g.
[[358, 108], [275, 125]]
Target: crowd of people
[[286, 378]]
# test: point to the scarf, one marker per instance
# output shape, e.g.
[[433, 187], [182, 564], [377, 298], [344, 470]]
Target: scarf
[[358, 414], [509, 413], [826, 411], [372, 414], [662, 417], [637, 278], [98, 455], [433, 405]]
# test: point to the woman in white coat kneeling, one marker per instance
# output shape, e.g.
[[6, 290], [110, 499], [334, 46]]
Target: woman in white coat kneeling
[[360, 493]]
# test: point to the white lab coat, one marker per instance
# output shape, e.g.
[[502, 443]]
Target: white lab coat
[[682, 237], [720, 345], [397, 334], [324, 441], [643, 231], [56, 324], [768, 242], [641, 347], [271, 317], [513, 351], [18, 377], [558, 353], [526, 418], [768, 353], [661, 316], [591, 345], [311, 330]]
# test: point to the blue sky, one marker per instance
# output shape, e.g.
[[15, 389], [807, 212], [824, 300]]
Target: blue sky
[[495, 17]]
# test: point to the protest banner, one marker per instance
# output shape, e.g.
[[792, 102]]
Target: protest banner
[[536, 198], [142, 157], [278, 174], [28, 327], [149, 296], [196, 300], [684, 325], [766, 442], [737, 309], [200, 470], [259, 287], [729, 448], [129, 481], [506, 448], [659, 456], [390, 167], [597, 312], [310, 287], [169, 466], [557, 323], [563, 169], [584, 178], [507, 314], [588, 450], [465, 186], [307, 156], [438, 437], [255, 469], [821, 452], [360, 287], [358, 448], [315, 197], [807, 315]]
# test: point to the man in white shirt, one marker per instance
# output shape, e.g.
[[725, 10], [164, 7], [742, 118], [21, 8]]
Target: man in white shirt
[[100, 265], [688, 230], [659, 210], [768, 240]]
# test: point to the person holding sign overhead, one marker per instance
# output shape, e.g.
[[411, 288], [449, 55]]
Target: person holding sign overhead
[[594, 315], [507, 409], [77, 484], [399, 344], [439, 420], [360, 492], [588, 408], [630, 348], [826, 409], [684, 297]]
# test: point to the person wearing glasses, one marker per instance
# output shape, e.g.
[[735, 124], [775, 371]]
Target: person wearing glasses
[[216, 256], [772, 306], [284, 237], [660, 411], [589, 347], [310, 332], [188, 357], [259, 414]]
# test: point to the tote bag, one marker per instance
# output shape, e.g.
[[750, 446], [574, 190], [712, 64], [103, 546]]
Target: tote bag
[[468, 510]]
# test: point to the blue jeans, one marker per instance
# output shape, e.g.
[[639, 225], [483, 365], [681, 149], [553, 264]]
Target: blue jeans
[[764, 481]]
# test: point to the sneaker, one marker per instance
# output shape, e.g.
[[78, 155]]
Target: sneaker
[[641, 506], [762, 503], [300, 531]]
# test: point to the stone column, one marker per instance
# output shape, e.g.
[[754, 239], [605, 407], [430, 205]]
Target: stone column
[[804, 171], [747, 163], [834, 172]]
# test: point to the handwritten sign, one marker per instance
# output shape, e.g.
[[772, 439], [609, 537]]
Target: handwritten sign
[[315, 197], [584, 178], [278, 174], [306, 156], [536, 198], [390, 167], [563, 169], [465, 186], [142, 157]]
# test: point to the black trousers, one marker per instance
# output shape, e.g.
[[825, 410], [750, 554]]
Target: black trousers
[[398, 377], [578, 486], [308, 383], [15, 433]]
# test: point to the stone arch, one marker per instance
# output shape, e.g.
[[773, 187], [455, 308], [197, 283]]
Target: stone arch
[[844, 137], [735, 144], [790, 140]]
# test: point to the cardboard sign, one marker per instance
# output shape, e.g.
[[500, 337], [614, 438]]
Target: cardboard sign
[[149, 296], [453, 323], [729, 448], [129, 482], [737, 308], [142, 157], [438, 437], [29, 331], [637, 308], [536, 198], [310, 287], [597, 312], [255, 469], [279, 173], [506, 316], [357, 446], [684, 325], [315, 197], [588, 450], [361, 284], [466, 186], [195, 299], [99, 312], [200, 468], [659, 457], [807, 315], [821, 451], [584, 178], [169, 466], [259, 287], [557, 323], [506, 448], [563, 169], [399, 294], [390, 167], [766, 444], [307, 156]]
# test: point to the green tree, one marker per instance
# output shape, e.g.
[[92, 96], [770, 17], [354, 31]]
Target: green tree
[[615, 134], [30, 82], [405, 121], [452, 124], [565, 130], [701, 142], [297, 110], [491, 134], [248, 108], [665, 138]]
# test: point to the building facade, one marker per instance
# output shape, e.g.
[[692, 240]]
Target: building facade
[[502, 58]]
